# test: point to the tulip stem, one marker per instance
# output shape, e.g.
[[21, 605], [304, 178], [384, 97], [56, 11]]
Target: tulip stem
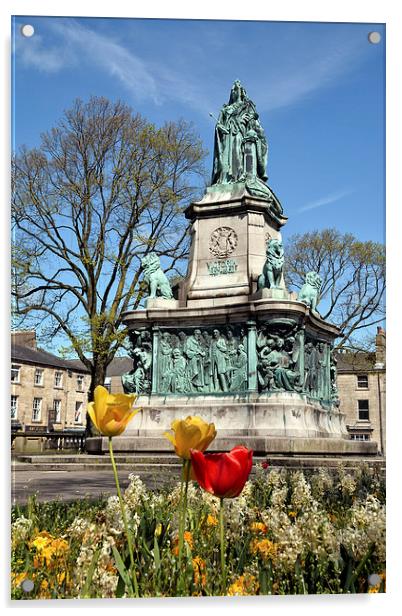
[[124, 516], [183, 508], [222, 536]]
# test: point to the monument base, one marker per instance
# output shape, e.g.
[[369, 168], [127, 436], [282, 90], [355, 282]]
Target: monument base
[[262, 445], [280, 423]]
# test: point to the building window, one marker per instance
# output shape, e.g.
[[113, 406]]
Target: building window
[[57, 410], [58, 379], [14, 407], [363, 406], [38, 380], [80, 382], [78, 413], [108, 382], [36, 409], [15, 373], [360, 437], [362, 381]]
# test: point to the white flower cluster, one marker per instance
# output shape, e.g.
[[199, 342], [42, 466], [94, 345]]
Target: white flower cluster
[[301, 491], [304, 525], [21, 529], [80, 528], [365, 526], [347, 484], [115, 520], [136, 493], [285, 535], [277, 481], [238, 512], [105, 578], [318, 533], [321, 482], [93, 537], [193, 494]]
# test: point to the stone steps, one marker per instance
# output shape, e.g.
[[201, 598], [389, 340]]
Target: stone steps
[[171, 464], [94, 460]]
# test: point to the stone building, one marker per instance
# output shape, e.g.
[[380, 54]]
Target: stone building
[[47, 392], [361, 388]]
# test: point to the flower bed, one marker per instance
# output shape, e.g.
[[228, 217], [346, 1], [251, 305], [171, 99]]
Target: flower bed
[[288, 532]]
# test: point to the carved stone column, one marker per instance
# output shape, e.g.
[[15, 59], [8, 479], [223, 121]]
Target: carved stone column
[[155, 365], [252, 356], [300, 361]]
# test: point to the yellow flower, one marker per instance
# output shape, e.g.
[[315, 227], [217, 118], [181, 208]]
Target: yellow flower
[[44, 592], [244, 585], [18, 578], [292, 514], [190, 433], [59, 546], [111, 413], [200, 574], [41, 542], [212, 520], [258, 527], [264, 548], [188, 538], [37, 562]]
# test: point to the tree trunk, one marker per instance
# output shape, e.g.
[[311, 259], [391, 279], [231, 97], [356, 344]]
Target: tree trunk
[[98, 376]]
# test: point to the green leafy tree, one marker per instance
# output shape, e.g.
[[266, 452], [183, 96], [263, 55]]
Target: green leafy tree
[[353, 280], [104, 188]]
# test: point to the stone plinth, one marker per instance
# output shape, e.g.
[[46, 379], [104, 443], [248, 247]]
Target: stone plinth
[[283, 422], [273, 294], [278, 446], [161, 303], [229, 235]]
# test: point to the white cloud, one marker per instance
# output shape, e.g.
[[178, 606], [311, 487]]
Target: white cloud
[[331, 198], [79, 44], [33, 53], [299, 75], [288, 79]]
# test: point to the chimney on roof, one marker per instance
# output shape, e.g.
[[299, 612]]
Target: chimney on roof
[[24, 338], [380, 348]]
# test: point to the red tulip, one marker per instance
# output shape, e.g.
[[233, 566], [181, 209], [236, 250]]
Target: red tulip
[[222, 474]]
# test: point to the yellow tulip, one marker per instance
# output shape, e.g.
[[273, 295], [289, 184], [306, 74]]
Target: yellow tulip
[[190, 433], [111, 413]]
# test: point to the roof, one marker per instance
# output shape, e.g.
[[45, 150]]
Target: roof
[[355, 362], [43, 358], [119, 365]]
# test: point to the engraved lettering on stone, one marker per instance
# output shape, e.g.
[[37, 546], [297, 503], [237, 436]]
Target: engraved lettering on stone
[[216, 268]]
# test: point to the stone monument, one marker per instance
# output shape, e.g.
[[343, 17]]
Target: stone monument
[[232, 344]]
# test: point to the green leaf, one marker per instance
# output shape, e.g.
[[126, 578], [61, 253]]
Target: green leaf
[[157, 558], [121, 568], [91, 571]]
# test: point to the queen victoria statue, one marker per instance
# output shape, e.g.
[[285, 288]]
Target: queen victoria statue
[[240, 147]]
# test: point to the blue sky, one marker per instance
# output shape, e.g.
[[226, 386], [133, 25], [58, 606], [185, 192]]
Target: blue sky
[[319, 89]]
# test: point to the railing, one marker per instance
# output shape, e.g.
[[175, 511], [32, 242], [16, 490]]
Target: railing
[[58, 441]]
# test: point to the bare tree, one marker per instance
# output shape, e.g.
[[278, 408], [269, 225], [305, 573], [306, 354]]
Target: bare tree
[[353, 275], [104, 188]]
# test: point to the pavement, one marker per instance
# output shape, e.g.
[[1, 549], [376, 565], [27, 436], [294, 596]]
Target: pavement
[[73, 485]]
